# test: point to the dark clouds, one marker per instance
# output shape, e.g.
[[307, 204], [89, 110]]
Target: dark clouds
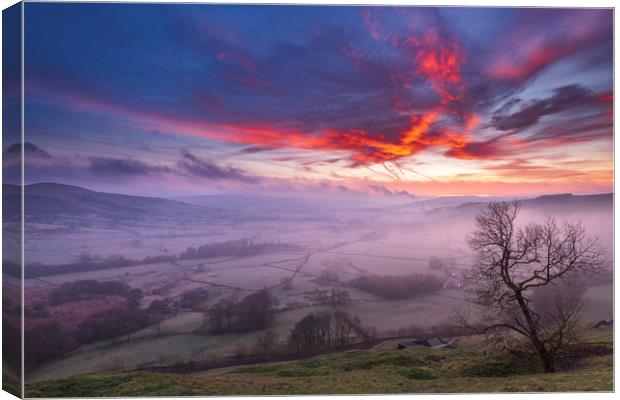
[[519, 114], [488, 149], [30, 150], [205, 168], [40, 165], [382, 190], [378, 84], [124, 167]]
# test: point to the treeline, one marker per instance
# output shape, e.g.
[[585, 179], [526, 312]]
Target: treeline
[[86, 262], [87, 289], [238, 248], [254, 312], [324, 330], [396, 287]]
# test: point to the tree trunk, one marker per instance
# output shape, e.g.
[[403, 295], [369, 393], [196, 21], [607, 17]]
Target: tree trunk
[[546, 359], [548, 362]]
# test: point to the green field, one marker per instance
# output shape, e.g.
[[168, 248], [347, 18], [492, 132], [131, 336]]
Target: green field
[[417, 370]]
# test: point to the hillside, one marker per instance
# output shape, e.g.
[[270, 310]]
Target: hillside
[[587, 367], [556, 205], [54, 200]]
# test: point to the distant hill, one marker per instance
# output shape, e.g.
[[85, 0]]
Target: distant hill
[[258, 204], [556, 204], [48, 200], [264, 205], [451, 201]]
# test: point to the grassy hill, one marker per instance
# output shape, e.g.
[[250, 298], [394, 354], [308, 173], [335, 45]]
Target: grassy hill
[[54, 200], [588, 367]]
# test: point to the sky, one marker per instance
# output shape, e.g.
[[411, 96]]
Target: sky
[[173, 100]]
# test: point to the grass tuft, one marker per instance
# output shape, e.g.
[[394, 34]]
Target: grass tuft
[[418, 373]]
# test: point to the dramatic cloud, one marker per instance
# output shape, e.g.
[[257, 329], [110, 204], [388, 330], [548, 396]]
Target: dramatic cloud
[[529, 113], [539, 40], [478, 150], [207, 169], [330, 92]]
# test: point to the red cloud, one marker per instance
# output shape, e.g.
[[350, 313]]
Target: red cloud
[[532, 47], [476, 150], [439, 60], [435, 59], [511, 67]]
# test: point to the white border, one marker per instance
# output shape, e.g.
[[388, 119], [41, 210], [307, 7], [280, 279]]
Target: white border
[[477, 3]]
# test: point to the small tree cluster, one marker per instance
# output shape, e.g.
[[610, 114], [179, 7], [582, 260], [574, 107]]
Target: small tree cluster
[[317, 331], [237, 248], [253, 312], [192, 297], [394, 287], [88, 262], [87, 289]]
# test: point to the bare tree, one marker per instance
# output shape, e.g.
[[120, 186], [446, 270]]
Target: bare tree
[[265, 341], [517, 269]]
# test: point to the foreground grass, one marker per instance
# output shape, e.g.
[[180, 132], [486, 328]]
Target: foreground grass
[[418, 370], [11, 385]]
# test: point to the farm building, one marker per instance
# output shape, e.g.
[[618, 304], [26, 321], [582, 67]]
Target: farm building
[[431, 342], [604, 323]]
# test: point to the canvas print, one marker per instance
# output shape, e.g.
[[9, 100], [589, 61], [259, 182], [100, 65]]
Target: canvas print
[[207, 200]]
